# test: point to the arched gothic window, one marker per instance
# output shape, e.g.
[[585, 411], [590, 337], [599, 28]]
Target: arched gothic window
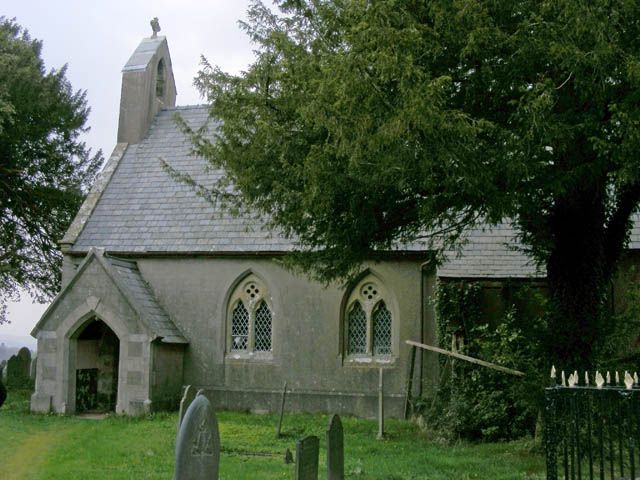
[[250, 317], [368, 320]]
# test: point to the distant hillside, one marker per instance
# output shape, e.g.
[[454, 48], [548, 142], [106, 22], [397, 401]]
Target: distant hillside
[[6, 352], [14, 342]]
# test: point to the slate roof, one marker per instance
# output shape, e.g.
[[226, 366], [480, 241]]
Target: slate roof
[[149, 308], [490, 252], [634, 237], [141, 208], [144, 209], [136, 291]]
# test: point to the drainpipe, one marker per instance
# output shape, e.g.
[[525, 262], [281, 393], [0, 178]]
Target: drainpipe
[[422, 313]]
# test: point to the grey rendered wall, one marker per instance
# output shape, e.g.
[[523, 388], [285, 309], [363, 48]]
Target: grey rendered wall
[[307, 350], [166, 375]]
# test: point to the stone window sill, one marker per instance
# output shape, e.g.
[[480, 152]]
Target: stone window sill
[[370, 361], [249, 357]]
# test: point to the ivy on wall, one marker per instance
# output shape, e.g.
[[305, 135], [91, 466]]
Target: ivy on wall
[[477, 403], [621, 348], [86, 389], [474, 402]]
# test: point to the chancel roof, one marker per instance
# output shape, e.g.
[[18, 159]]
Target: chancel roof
[[490, 252], [137, 207]]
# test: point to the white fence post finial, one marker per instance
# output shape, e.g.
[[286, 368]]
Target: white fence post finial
[[628, 380]]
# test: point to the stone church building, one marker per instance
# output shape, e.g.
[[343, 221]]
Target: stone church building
[[161, 289]]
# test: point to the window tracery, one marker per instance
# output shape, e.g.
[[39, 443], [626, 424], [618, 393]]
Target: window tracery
[[368, 320], [251, 318]]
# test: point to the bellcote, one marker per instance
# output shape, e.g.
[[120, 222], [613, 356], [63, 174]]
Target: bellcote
[[147, 86]]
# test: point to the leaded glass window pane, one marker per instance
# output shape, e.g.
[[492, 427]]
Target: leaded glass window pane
[[263, 328], [381, 330], [357, 330], [239, 327]]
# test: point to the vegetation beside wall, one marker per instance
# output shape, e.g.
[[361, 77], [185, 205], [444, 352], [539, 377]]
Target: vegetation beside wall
[[620, 350], [503, 325], [506, 323]]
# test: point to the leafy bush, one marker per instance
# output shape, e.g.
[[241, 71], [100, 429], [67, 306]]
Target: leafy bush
[[475, 402], [620, 347]]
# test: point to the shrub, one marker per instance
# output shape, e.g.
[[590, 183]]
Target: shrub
[[475, 402]]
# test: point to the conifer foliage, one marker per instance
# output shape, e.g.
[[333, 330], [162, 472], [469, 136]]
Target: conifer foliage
[[45, 170], [366, 123]]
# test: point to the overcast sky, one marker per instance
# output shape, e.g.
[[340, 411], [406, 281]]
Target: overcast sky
[[96, 38]]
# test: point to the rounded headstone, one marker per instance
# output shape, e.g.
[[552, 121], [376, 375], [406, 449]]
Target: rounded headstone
[[335, 449], [18, 369], [307, 451], [25, 354], [33, 368], [198, 443]]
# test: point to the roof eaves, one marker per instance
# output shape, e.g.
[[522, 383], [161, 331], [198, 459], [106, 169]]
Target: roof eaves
[[133, 302]]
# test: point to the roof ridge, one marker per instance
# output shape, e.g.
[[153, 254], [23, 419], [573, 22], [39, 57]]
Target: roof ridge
[[184, 107]]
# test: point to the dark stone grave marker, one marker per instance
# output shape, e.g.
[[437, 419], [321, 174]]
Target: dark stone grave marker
[[198, 442], [335, 449], [307, 451], [288, 457], [18, 368]]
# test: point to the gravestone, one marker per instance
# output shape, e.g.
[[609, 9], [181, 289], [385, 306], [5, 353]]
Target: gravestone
[[288, 457], [335, 449], [307, 451], [188, 397], [18, 368], [25, 354], [198, 442], [32, 369]]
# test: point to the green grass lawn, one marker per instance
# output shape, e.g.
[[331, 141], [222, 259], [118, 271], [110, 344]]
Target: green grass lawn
[[54, 447]]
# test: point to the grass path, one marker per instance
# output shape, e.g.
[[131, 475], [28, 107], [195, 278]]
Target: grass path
[[51, 447], [25, 461]]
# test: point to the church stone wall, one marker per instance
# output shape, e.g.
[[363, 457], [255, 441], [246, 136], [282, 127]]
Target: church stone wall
[[307, 334]]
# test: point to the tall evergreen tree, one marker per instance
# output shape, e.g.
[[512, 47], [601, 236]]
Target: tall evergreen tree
[[45, 170], [363, 123]]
